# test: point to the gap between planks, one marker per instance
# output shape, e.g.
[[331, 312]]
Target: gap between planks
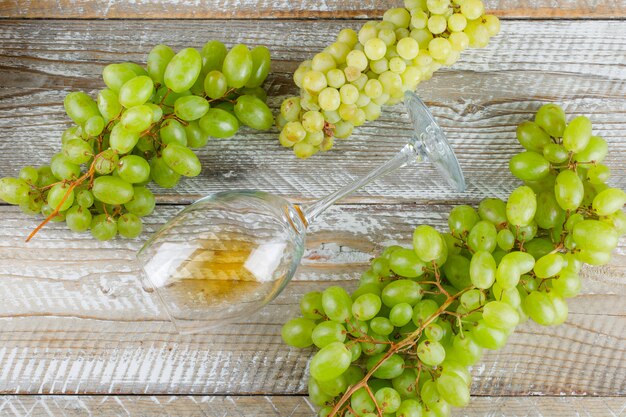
[[303, 9]]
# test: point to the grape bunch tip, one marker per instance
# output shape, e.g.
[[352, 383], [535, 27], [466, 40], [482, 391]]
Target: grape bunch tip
[[142, 128], [401, 344], [346, 84]]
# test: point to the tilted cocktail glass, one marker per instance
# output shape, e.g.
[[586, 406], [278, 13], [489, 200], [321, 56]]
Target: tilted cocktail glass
[[227, 255]]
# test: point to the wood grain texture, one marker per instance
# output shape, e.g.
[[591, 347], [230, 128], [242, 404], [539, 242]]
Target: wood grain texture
[[280, 406], [272, 9], [479, 102], [75, 319]]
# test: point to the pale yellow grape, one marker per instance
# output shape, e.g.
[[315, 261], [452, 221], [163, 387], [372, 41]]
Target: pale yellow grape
[[402, 33], [281, 121], [313, 121], [335, 78], [407, 48], [352, 73], [477, 33], [323, 62], [314, 82], [388, 36], [360, 82], [314, 138], [284, 140], [452, 57], [459, 41], [358, 60], [299, 74], [397, 65], [343, 129], [472, 9], [373, 88], [331, 116], [372, 111], [382, 99], [411, 77], [294, 132], [308, 101], [422, 36], [379, 66], [329, 99], [492, 23], [438, 6], [457, 22], [348, 36], [400, 17], [375, 49], [359, 118], [391, 52], [363, 100], [383, 25], [328, 143], [419, 20], [290, 109], [439, 48], [391, 82], [423, 59], [347, 111], [349, 94], [339, 51], [367, 32], [304, 150], [437, 24]]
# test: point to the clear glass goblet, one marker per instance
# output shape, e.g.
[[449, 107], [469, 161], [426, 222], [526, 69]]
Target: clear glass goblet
[[229, 254]]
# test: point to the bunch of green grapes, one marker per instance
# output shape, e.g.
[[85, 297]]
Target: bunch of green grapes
[[401, 344], [141, 128], [347, 84]]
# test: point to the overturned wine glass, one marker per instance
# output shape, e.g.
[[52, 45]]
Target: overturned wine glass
[[229, 254]]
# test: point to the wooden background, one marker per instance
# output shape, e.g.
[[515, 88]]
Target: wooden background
[[78, 336]]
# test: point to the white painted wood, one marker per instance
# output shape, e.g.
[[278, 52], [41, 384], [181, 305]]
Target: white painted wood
[[479, 102], [272, 9], [277, 406]]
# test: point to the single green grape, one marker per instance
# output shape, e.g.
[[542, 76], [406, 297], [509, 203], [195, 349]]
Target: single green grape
[[219, 123], [80, 107], [330, 362], [158, 59], [112, 190], [238, 65], [297, 332], [183, 70], [337, 304], [328, 332], [253, 112], [129, 225], [182, 160]]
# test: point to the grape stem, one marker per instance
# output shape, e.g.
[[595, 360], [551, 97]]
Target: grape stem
[[89, 174], [410, 340]]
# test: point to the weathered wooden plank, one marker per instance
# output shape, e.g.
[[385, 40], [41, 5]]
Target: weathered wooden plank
[[75, 319], [269, 9], [280, 406], [479, 102]]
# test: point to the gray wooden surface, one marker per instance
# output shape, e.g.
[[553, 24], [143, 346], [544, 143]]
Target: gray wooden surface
[[74, 319]]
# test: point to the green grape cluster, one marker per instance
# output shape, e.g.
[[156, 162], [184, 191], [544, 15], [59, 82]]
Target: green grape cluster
[[401, 344], [347, 84], [141, 128]]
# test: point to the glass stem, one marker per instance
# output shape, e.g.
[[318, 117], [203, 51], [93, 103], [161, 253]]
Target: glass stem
[[408, 155]]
